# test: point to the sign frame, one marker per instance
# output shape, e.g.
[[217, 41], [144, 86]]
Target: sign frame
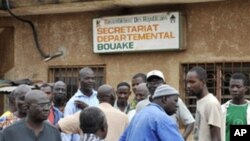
[[138, 33]]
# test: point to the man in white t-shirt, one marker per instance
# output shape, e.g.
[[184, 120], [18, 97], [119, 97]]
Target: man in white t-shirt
[[208, 111], [141, 93]]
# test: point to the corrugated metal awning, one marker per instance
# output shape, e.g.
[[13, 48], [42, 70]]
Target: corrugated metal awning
[[9, 89]]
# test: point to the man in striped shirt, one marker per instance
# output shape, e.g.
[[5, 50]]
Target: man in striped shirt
[[93, 124]]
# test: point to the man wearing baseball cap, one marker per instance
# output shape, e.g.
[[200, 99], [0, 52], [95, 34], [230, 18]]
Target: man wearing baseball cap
[[153, 123], [155, 78]]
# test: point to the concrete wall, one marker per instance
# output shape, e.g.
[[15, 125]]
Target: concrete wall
[[216, 32]]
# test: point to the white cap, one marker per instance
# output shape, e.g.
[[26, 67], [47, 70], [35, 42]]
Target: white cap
[[156, 73], [165, 90]]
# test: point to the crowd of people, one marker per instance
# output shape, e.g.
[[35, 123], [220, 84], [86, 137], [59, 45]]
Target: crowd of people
[[155, 113]]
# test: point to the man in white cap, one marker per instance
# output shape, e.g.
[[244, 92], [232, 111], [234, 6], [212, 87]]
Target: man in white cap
[[156, 78], [153, 123]]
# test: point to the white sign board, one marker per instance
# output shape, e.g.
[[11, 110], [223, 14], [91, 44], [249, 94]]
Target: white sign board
[[147, 32]]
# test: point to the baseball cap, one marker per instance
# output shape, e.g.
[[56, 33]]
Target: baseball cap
[[156, 73], [165, 90]]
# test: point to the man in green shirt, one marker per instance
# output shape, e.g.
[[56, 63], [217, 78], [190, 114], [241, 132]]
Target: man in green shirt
[[235, 111]]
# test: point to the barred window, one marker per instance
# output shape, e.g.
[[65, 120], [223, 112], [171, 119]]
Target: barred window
[[219, 75], [70, 75]]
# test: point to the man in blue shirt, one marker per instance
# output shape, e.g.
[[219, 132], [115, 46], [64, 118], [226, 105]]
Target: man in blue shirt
[[153, 123], [85, 96], [156, 78]]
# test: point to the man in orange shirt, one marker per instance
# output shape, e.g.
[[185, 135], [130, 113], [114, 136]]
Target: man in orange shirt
[[106, 96]]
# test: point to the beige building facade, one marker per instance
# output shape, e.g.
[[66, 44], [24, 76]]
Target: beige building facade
[[217, 37]]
